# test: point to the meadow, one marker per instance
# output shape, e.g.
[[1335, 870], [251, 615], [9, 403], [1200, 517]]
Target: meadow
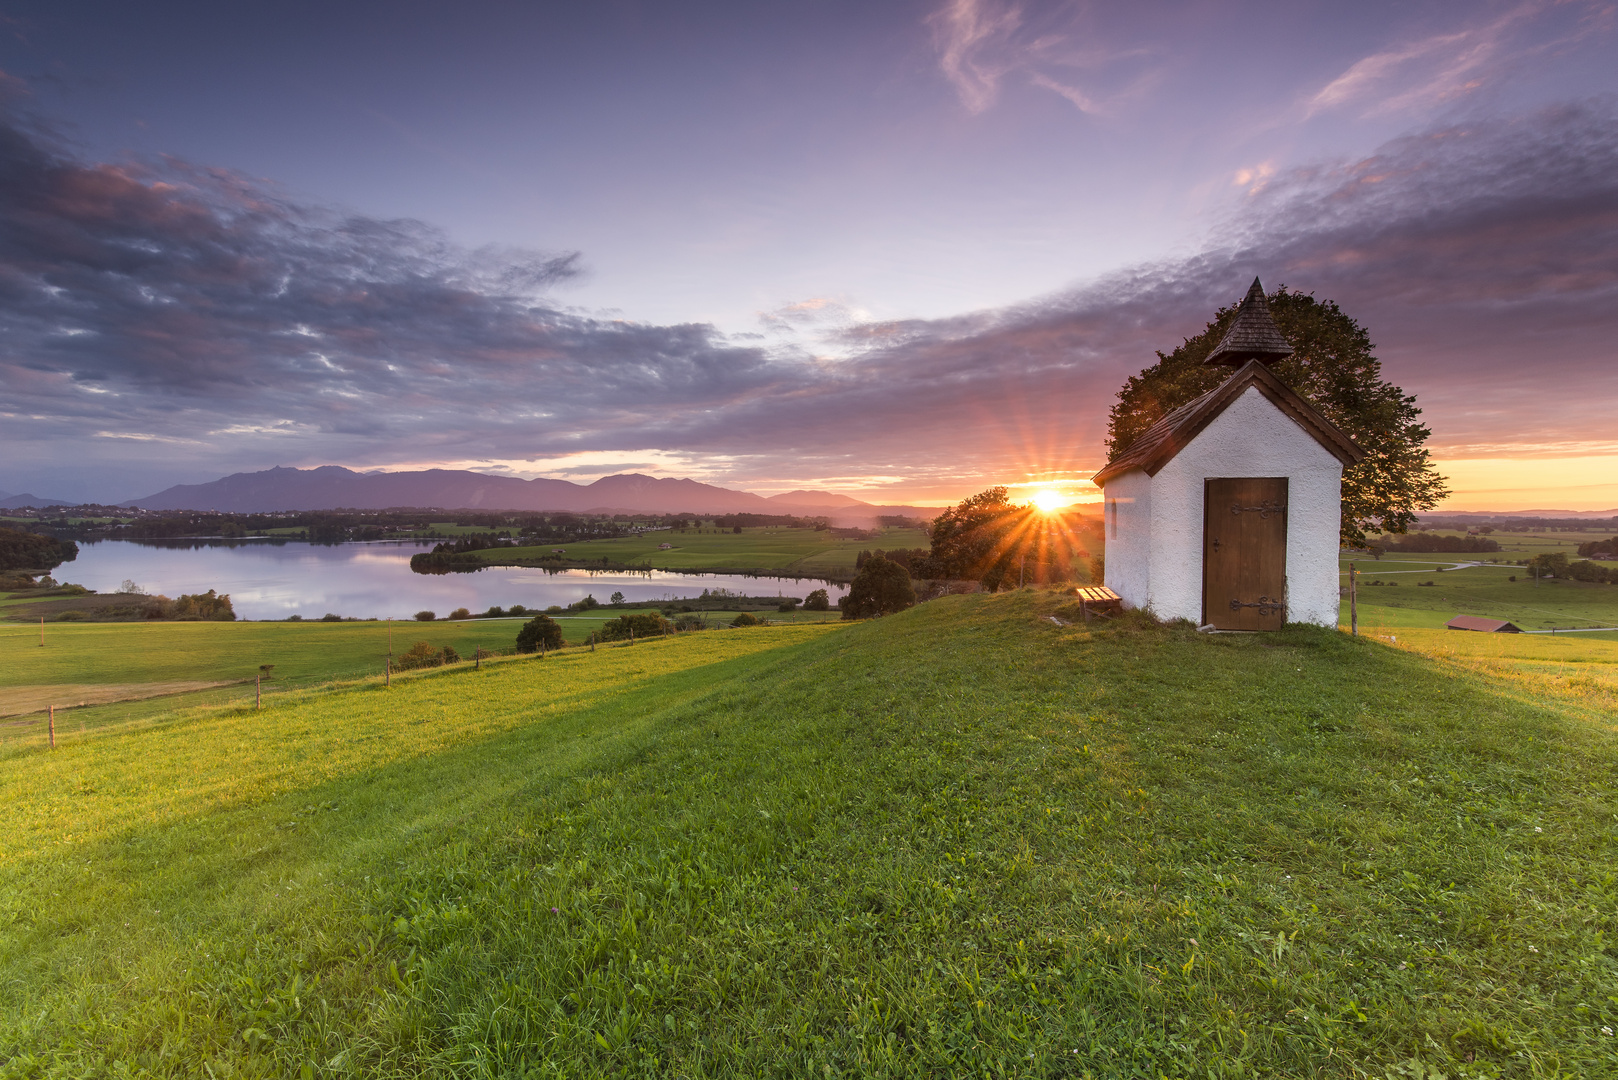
[[109, 668], [794, 551], [1426, 591], [960, 840]]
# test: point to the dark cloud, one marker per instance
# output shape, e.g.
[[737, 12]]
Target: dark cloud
[[187, 316]]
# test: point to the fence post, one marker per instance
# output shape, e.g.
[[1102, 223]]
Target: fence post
[[42, 631], [592, 641], [387, 672], [477, 659], [1353, 601], [258, 691], [53, 727]]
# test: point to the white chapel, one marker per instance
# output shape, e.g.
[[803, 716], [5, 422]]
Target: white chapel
[[1226, 511]]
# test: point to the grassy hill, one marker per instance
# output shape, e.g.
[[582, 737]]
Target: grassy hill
[[959, 841]]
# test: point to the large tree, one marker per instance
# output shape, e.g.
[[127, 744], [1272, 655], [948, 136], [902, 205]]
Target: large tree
[[880, 588], [1333, 366], [992, 540], [971, 540]]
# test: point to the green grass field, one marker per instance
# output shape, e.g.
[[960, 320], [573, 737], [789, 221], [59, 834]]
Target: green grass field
[[1399, 601], [78, 656], [958, 841], [797, 551]]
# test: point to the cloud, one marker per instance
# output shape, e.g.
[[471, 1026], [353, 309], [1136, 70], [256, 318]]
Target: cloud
[[973, 38], [229, 327], [982, 42], [1441, 68]]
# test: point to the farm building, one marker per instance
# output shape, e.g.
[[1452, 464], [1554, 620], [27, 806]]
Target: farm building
[[1487, 626], [1226, 511]]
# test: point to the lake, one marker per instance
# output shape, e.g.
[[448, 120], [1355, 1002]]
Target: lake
[[274, 579]]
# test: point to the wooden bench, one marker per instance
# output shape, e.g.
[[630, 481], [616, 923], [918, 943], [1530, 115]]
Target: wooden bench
[[1098, 599]]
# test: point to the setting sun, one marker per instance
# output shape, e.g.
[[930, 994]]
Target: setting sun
[[1049, 500]]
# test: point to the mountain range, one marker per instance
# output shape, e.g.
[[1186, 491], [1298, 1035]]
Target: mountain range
[[8, 501], [332, 486]]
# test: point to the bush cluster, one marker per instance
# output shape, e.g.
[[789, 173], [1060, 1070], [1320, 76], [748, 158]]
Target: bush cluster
[[641, 625], [423, 654]]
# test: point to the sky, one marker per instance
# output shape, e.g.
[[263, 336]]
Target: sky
[[900, 251]]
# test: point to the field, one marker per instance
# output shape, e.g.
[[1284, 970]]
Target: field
[[80, 660], [791, 551], [958, 841], [1392, 594]]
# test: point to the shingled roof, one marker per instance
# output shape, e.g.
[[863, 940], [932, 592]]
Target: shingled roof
[[1159, 443], [1253, 335], [1487, 626]]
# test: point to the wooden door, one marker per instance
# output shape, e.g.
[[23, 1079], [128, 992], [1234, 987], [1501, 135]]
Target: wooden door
[[1244, 553]]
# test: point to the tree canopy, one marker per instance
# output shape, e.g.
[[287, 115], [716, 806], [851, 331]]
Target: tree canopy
[[989, 539], [21, 550], [1335, 369], [880, 588], [540, 630]]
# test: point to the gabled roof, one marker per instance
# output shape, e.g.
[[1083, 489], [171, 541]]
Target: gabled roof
[[1477, 622], [1253, 335], [1159, 443]]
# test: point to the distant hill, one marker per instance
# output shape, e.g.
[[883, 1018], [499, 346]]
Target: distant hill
[[9, 501], [1521, 513], [814, 498], [331, 486]]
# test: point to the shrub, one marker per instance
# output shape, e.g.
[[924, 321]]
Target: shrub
[[460, 613], [791, 605], [817, 601], [212, 606], [587, 604], [744, 619], [540, 630], [554, 609], [421, 654], [881, 588], [494, 612], [329, 617], [425, 616], [448, 655], [642, 625], [516, 609], [294, 618], [690, 622]]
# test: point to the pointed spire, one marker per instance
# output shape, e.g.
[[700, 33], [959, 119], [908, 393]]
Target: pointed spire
[[1253, 334]]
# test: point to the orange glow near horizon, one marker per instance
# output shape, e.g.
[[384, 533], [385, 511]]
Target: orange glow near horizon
[[1049, 500]]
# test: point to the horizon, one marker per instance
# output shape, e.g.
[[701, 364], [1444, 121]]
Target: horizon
[[899, 254], [1042, 495]]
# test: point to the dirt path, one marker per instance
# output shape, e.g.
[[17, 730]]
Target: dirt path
[[17, 700]]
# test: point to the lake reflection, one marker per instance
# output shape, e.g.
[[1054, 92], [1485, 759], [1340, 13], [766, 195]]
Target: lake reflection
[[272, 580]]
